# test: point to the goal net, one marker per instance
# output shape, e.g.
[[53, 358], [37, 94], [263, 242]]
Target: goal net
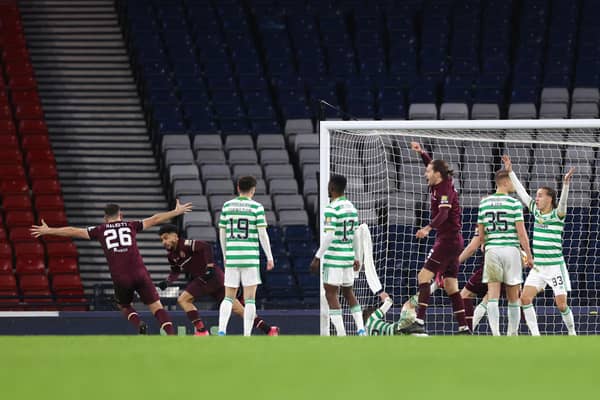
[[386, 183]]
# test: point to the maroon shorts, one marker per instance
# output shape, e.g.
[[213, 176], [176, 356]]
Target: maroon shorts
[[142, 284], [476, 286], [443, 258], [214, 287]]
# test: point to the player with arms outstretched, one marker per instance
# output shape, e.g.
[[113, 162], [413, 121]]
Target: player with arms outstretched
[[127, 269], [241, 227], [446, 220], [501, 226], [195, 259], [339, 252], [549, 267]]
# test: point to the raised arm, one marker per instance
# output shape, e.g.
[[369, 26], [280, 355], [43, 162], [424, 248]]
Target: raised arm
[[66, 231], [521, 191], [424, 156], [564, 195], [160, 218], [470, 249]]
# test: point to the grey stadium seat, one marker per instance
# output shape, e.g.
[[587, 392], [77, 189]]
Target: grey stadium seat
[[205, 233], [477, 178], [586, 95], [311, 186], [522, 111], [554, 111], [175, 142], [308, 156], [261, 187], [216, 201], [221, 186], [555, 95], [401, 216], [279, 171], [215, 171], [547, 155], [293, 217], [271, 156], [485, 111], [367, 216], [538, 181], [579, 154], [271, 218], [479, 153], [471, 200], [298, 126], [178, 156], [267, 141], [519, 153], [240, 157], [208, 142], [187, 187], [422, 111], [450, 111], [411, 178], [584, 110], [233, 142], [448, 153], [183, 172], [198, 201], [196, 218], [283, 186], [310, 171], [551, 170], [254, 170], [306, 141], [288, 202], [580, 199], [215, 156], [265, 200]]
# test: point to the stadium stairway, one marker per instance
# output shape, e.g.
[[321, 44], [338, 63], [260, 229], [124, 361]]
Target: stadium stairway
[[97, 128]]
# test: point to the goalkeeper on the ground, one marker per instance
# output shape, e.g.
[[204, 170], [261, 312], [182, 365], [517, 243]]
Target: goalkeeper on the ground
[[376, 325]]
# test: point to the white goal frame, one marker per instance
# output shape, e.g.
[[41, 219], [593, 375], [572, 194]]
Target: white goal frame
[[385, 127]]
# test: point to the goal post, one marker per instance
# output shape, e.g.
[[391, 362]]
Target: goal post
[[387, 186]]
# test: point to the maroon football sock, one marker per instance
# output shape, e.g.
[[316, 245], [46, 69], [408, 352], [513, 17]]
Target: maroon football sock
[[468, 303], [165, 321], [132, 316], [262, 325], [196, 320], [458, 308], [424, 292]]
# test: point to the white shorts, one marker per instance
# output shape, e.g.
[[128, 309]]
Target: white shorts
[[247, 276], [555, 276], [503, 264], [338, 276]]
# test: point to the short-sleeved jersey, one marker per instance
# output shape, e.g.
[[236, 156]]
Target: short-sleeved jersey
[[342, 218], [190, 257], [118, 240], [547, 237], [241, 217], [444, 195], [499, 214]]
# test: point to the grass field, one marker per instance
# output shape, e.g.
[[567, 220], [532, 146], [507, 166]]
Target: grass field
[[296, 367]]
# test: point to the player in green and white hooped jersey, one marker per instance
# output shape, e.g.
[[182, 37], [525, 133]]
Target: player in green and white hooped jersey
[[501, 227], [241, 227], [339, 254], [376, 325], [549, 266]]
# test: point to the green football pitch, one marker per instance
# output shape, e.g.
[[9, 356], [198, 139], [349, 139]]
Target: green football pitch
[[297, 367]]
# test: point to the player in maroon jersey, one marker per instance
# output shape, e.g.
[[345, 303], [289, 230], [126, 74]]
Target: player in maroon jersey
[[195, 259], [127, 269], [446, 220]]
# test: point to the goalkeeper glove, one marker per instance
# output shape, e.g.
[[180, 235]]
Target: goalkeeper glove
[[162, 285], [209, 273]]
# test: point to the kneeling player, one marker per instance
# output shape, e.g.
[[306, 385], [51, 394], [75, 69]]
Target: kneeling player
[[195, 258]]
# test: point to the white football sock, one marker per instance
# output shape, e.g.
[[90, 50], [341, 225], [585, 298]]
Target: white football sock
[[336, 319], [249, 314], [225, 313], [479, 313], [358, 318], [494, 316], [514, 317], [531, 319], [569, 321]]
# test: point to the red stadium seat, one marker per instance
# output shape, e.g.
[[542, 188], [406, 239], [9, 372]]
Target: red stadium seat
[[35, 288], [7, 127], [29, 249], [9, 141], [14, 185], [61, 249], [19, 218], [30, 265], [61, 265], [22, 83], [53, 217], [5, 111], [21, 234], [32, 127], [49, 202], [8, 288], [11, 156], [13, 53], [40, 155], [25, 97], [3, 235], [35, 141], [13, 68], [67, 281], [29, 111], [40, 170], [45, 186], [16, 202], [6, 251], [12, 171], [5, 266], [68, 289]]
